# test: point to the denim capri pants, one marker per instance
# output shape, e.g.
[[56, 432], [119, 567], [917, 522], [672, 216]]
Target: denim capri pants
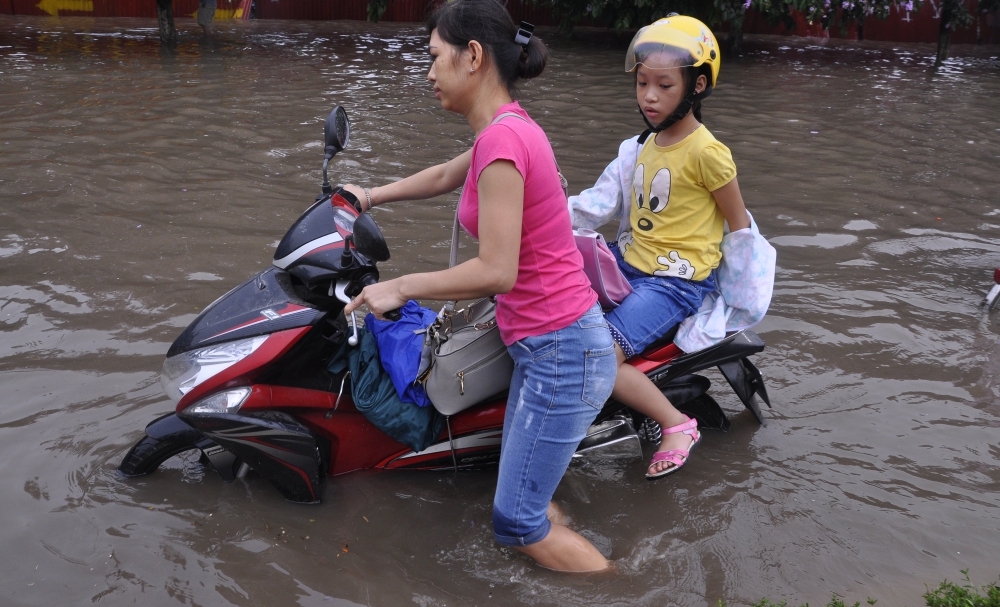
[[655, 305], [561, 381]]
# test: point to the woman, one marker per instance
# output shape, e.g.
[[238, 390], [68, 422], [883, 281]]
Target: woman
[[546, 311]]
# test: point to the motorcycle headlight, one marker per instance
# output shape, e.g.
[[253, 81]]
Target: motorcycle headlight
[[182, 373], [221, 402]]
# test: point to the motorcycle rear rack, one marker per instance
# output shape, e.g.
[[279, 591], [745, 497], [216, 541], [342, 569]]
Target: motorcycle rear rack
[[731, 356]]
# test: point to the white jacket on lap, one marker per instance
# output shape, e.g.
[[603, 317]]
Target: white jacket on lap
[[744, 278]]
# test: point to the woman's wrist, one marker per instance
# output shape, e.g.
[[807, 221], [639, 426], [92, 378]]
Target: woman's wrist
[[368, 199], [402, 287]]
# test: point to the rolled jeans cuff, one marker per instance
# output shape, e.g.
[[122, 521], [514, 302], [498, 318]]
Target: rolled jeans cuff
[[525, 540], [621, 341]]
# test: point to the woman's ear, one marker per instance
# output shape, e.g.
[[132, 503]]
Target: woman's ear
[[701, 83], [476, 55]]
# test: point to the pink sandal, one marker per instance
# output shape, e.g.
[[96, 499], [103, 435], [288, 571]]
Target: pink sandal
[[677, 457]]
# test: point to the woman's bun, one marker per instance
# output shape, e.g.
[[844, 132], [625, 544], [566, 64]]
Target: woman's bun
[[458, 22], [533, 59]]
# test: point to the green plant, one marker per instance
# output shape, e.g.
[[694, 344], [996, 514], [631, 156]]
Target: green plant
[[621, 14], [376, 8], [950, 594]]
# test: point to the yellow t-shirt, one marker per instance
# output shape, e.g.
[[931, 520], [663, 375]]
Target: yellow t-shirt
[[676, 225]]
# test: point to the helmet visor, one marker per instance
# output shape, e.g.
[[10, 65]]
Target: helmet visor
[[660, 48]]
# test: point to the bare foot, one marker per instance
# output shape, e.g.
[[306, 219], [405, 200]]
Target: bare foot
[[556, 516]]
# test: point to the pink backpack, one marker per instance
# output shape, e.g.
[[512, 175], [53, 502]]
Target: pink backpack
[[601, 268]]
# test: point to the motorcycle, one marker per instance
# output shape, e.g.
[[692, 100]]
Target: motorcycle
[[252, 390]]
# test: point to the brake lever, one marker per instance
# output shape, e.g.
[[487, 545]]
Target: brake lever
[[342, 296]]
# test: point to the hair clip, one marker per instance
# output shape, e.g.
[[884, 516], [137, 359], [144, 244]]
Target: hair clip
[[524, 34]]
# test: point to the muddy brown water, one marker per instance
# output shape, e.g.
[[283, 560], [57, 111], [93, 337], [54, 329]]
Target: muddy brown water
[[137, 186]]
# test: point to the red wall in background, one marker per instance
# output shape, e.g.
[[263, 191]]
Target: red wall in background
[[104, 8], [921, 26], [399, 10], [313, 9]]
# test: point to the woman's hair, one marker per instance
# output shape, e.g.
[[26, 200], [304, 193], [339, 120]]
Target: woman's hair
[[487, 21]]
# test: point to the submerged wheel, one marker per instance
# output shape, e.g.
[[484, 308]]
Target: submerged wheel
[[165, 437], [146, 455]]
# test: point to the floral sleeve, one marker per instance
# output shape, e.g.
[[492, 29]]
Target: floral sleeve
[[603, 202]]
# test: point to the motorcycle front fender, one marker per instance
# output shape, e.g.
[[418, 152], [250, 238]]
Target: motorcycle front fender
[[274, 445], [166, 436]]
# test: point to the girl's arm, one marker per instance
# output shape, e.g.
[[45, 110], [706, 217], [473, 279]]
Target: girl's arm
[[730, 202], [494, 270], [599, 204], [428, 183], [605, 201]]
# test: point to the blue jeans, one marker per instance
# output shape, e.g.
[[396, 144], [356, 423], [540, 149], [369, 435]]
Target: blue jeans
[[655, 305], [561, 381]]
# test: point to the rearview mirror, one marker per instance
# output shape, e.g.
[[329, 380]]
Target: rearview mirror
[[336, 131], [368, 239]]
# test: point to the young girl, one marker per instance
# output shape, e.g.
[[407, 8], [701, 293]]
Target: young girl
[[675, 186], [548, 317]]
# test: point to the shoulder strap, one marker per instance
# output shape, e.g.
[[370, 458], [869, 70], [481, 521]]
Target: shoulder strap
[[562, 178], [453, 254], [506, 114]]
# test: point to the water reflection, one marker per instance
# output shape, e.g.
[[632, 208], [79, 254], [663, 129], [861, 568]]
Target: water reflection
[[136, 186]]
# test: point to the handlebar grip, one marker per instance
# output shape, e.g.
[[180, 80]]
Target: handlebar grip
[[393, 315], [370, 279]]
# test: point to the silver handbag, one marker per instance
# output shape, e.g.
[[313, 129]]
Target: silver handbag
[[468, 361]]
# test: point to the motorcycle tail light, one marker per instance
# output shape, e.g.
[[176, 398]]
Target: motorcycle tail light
[[229, 401], [996, 276], [182, 373]]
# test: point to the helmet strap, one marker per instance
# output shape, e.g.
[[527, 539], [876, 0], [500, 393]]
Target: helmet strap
[[682, 110]]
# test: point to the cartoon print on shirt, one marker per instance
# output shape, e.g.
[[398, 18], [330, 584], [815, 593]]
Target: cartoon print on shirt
[[659, 190], [659, 196], [637, 185], [638, 188], [675, 266], [625, 241]]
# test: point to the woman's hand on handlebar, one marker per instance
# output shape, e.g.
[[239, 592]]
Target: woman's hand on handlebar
[[358, 193], [380, 298]]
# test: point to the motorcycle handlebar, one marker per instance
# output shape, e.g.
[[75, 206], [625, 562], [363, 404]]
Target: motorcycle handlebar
[[370, 279], [393, 315]]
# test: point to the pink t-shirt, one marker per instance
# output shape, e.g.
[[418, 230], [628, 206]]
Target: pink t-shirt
[[551, 291]]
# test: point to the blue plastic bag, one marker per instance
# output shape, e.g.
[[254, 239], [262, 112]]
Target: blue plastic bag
[[399, 345], [375, 396]]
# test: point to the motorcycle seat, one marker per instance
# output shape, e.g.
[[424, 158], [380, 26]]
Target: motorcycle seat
[[666, 339]]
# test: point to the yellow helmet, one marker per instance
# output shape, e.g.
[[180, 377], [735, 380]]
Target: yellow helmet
[[674, 41]]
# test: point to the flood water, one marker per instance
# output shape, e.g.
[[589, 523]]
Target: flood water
[[137, 186]]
